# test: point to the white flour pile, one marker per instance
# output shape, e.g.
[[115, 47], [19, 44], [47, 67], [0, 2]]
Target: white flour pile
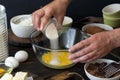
[[25, 22]]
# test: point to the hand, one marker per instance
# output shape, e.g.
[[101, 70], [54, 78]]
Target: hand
[[96, 46], [57, 9]]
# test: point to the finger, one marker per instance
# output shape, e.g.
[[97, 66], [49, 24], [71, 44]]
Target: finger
[[95, 57], [82, 52], [83, 59], [79, 46], [92, 59], [45, 19], [36, 18], [91, 56], [99, 54], [60, 19]]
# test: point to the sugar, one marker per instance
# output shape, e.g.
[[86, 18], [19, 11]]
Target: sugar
[[52, 34]]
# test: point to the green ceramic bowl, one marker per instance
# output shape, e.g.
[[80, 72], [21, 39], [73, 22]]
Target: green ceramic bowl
[[112, 10], [67, 23]]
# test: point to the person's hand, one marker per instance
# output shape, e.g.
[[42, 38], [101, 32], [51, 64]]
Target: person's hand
[[56, 8], [96, 46]]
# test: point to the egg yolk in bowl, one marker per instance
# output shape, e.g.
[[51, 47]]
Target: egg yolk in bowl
[[65, 62]]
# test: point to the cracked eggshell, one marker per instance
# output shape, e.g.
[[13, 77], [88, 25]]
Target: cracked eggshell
[[21, 55], [11, 62]]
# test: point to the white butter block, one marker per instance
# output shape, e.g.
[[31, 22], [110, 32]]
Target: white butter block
[[7, 76], [20, 76]]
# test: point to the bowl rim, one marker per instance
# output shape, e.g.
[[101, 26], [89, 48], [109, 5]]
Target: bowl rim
[[99, 60], [18, 17], [101, 25], [69, 19], [48, 49], [110, 5]]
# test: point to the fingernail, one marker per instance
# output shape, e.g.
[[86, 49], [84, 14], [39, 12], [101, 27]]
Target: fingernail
[[41, 27], [75, 61], [70, 57], [69, 50]]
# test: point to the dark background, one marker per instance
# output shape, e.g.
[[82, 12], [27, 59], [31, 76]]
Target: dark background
[[77, 9]]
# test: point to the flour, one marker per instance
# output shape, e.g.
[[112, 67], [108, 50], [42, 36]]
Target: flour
[[25, 21]]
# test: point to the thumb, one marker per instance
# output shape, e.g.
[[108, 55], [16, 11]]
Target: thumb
[[60, 19]]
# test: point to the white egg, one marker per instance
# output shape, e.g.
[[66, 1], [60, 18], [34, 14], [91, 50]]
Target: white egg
[[21, 55], [11, 62]]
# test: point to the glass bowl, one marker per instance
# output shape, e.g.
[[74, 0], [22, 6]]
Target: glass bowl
[[44, 53], [4, 69]]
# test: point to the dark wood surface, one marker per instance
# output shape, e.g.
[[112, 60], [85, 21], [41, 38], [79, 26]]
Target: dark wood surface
[[17, 41]]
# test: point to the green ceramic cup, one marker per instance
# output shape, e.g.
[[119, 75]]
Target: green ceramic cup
[[67, 23], [112, 10], [114, 22]]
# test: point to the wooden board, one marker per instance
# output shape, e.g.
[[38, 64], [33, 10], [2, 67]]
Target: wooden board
[[17, 41]]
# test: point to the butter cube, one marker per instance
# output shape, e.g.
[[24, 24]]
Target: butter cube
[[20, 76], [7, 76]]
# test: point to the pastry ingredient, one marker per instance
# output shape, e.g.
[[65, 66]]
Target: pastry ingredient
[[95, 69], [6, 76], [21, 55], [25, 21], [18, 76], [11, 62], [52, 34], [62, 56], [94, 29]]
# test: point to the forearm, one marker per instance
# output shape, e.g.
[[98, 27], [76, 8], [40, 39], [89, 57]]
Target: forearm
[[115, 37]]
